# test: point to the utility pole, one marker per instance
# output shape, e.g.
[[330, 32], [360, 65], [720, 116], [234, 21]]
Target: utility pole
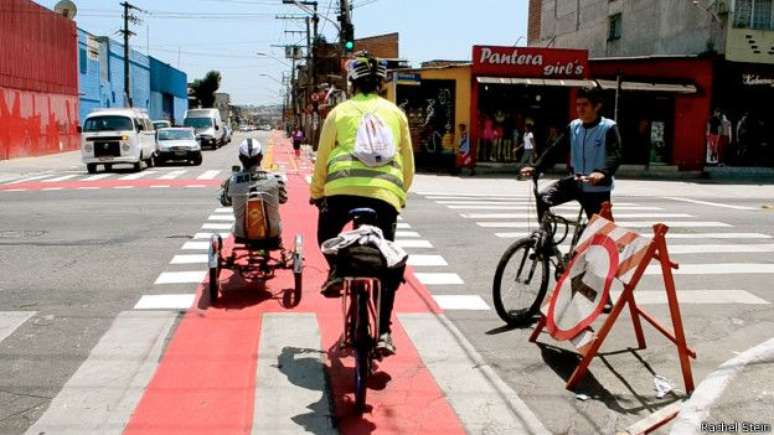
[[128, 17]]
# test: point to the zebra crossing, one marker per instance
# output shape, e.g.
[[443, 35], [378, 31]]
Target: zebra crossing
[[700, 246], [158, 178], [109, 392]]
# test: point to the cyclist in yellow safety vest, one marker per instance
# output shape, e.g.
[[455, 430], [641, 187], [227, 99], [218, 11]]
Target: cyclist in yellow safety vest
[[343, 182]]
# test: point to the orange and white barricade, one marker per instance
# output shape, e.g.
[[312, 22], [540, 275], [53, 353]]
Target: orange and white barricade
[[609, 258]]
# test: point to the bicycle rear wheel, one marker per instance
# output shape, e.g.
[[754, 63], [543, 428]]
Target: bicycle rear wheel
[[362, 344], [520, 282]]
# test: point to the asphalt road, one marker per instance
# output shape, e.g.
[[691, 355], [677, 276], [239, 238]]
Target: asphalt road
[[726, 306], [78, 258], [75, 257]]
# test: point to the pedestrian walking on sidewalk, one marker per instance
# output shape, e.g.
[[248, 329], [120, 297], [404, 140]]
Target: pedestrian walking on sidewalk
[[350, 174], [529, 146]]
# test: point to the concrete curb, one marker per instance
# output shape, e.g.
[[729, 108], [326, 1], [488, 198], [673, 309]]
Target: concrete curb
[[697, 408]]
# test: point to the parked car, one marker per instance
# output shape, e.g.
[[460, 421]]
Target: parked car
[[117, 136], [180, 144], [207, 125], [161, 124]]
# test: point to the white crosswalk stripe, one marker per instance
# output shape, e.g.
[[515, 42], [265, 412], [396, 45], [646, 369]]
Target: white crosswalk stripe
[[522, 203], [28, 179], [189, 259], [406, 234], [426, 260], [461, 302], [138, 175], [560, 207], [624, 224], [533, 216], [210, 226], [188, 277], [409, 243], [209, 175], [165, 302], [222, 217], [194, 246], [698, 297], [10, 320], [61, 178], [172, 175], [430, 278], [97, 177], [716, 269], [102, 394], [720, 249]]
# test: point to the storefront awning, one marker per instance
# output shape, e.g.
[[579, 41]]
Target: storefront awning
[[571, 83], [648, 87]]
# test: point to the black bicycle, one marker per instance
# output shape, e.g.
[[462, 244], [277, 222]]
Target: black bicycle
[[524, 271], [361, 305]]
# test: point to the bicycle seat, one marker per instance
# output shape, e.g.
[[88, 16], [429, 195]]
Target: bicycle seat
[[361, 216]]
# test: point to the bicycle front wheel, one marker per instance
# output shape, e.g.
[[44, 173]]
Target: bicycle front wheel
[[520, 282]]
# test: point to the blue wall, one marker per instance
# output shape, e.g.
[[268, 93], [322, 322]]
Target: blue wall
[[152, 81], [170, 84]]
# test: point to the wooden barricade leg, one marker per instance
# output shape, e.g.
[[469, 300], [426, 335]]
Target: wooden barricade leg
[[538, 329], [635, 313], [674, 307]]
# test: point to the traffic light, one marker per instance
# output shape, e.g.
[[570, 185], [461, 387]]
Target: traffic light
[[348, 37]]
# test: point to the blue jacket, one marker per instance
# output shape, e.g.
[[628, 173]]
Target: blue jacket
[[594, 147]]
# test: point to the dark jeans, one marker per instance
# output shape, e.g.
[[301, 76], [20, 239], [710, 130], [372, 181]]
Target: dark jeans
[[566, 190], [334, 215]]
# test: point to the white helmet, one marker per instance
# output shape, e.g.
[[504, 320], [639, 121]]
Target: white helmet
[[250, 148]]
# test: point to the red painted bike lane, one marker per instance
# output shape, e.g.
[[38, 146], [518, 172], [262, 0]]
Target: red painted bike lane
[[205, 382]]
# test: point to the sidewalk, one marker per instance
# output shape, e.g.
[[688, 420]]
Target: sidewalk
[[740, 392], [16, 168]]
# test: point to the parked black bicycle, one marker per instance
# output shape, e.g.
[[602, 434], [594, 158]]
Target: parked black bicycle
[[524, 271]]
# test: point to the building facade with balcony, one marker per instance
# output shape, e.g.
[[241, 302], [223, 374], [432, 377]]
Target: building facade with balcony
[[669, 66]]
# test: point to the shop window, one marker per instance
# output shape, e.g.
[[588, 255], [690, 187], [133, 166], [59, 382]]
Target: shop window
[[616, 27], [753, 14], [83, 61]]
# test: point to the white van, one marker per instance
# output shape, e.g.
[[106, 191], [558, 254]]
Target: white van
[[207, 125], [118, 136]]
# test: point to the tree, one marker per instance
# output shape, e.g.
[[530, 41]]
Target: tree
[[204, 89]]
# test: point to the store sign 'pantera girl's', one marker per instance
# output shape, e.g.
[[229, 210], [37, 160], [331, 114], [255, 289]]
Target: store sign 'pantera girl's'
[[530, 62]]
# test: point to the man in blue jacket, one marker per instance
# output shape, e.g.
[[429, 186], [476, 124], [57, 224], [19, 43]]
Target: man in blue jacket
[[594, 144]]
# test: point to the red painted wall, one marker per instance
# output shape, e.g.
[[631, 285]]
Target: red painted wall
[[691, 111], [38, 81], [36, 123]]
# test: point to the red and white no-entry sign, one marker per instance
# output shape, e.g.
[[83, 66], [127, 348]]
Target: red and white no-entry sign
[[580, 294]]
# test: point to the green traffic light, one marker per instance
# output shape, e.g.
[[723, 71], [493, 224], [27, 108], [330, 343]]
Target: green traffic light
[[349, 45]]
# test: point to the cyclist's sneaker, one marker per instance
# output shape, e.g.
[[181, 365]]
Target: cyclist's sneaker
[[384, 346], [332, 287]]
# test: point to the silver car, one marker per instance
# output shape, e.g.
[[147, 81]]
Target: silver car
[[178, 144]]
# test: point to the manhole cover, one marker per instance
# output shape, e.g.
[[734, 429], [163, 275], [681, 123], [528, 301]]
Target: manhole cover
[[21, 234]]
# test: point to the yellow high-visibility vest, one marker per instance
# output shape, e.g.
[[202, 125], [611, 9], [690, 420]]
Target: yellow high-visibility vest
[[338, 172]]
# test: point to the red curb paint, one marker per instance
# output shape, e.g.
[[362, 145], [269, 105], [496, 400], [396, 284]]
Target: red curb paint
[[205, 382]]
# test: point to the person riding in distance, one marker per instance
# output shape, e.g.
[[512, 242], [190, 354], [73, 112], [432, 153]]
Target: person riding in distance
[[342, 182]]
